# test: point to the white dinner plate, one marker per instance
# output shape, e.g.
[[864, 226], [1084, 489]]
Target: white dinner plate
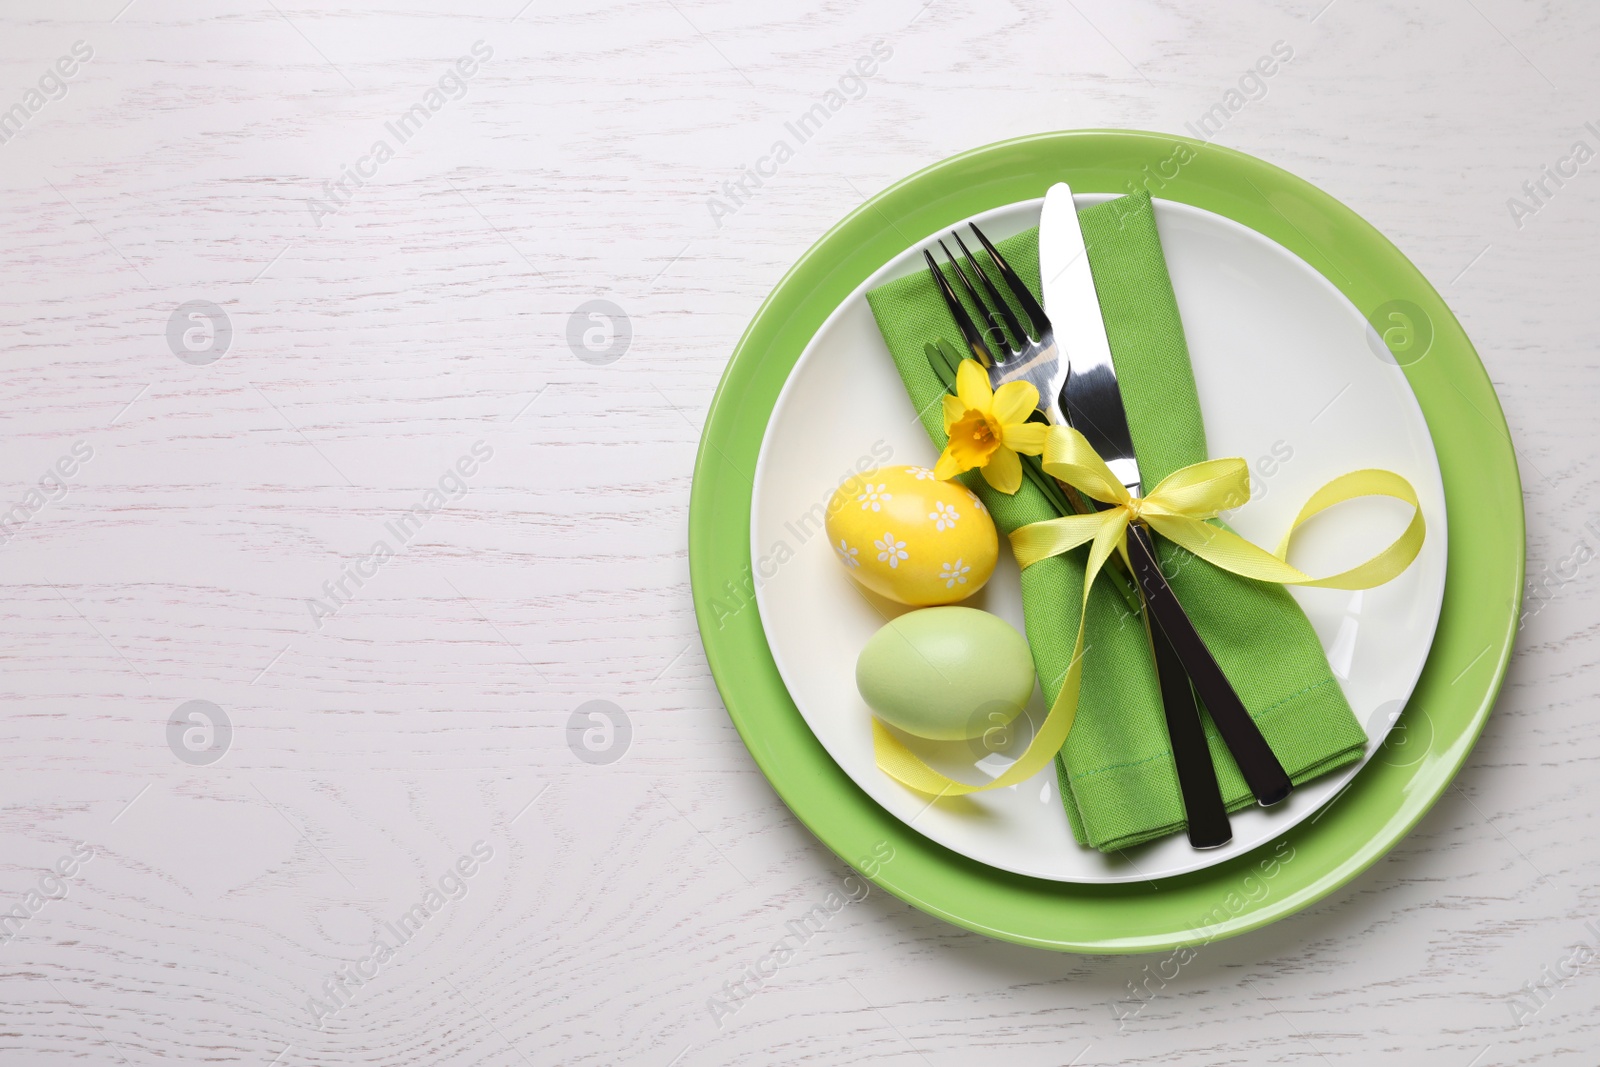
[[1285, 366]]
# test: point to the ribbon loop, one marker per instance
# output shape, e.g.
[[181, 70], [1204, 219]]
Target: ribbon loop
[[1179, 508], [1074, 460], [1203, 490]]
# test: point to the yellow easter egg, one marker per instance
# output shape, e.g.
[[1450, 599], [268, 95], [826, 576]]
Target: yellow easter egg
[[905, 535]]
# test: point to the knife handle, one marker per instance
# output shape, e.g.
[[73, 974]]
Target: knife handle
[[1260, 767], [1206, 816]]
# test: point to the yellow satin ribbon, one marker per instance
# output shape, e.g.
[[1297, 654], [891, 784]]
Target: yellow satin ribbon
[[1178, 509]]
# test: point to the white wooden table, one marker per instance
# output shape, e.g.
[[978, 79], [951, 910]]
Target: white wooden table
[[180, 482]]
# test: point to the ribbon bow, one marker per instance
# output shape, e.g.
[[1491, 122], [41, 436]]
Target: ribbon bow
[[1178, 508]]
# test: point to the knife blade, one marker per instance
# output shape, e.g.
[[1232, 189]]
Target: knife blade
[[1091, 402]]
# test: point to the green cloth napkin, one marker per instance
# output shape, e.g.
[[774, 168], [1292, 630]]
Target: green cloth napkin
[[1116, 771]]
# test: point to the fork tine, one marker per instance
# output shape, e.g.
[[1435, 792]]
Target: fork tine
[[969, 329], [1024, 296], [994, 294], [995, 334]]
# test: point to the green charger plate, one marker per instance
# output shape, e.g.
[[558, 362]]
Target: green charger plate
[[1483, 591]]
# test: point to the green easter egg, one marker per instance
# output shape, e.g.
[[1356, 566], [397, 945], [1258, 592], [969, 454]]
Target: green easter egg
[[946, 673]]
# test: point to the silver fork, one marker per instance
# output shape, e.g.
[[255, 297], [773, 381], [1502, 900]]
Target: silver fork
[[1037, 360], [1009, 353]]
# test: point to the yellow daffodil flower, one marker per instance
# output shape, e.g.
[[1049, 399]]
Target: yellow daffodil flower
[[987, 428]]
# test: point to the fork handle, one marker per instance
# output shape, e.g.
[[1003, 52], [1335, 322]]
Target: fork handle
[[1260, 767]]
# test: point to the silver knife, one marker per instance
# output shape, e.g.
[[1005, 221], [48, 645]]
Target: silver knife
[[1091, 402]]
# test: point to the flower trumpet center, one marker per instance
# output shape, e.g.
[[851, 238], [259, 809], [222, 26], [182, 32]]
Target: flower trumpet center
[[973, 438]]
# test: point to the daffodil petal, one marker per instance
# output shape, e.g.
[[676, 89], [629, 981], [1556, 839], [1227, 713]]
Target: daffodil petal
[[972, 385], [1025, 437], [1004, 470], [947, 467], [953, 410], [1014, 402]]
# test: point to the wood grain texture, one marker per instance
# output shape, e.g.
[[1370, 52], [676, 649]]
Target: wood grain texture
[[374, 345]]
